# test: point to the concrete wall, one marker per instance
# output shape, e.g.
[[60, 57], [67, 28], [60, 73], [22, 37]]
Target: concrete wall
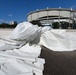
[[5, 32]]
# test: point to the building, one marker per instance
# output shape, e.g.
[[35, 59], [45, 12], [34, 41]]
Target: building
[[12, 22], [50, 15]]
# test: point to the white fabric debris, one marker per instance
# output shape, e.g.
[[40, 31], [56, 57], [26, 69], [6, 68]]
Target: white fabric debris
[[59, 40], [19, 51], [24, 31]]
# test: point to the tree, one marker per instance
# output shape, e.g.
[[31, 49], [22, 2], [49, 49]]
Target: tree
[[5, 25], [64, 25], [55, 25], [36, 22]]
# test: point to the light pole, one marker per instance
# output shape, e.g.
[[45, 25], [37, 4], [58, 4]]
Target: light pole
[[70, 18], [47, 15], [59, 18]]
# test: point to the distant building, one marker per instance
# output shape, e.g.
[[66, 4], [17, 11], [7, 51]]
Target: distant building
[[50, 15], [12, 22]]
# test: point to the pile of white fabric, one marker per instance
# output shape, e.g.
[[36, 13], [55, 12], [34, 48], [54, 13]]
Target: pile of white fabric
[[20, 50], [59, 40]]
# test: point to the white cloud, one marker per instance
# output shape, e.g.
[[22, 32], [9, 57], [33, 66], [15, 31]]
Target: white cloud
[[1, 20], [10, 15]]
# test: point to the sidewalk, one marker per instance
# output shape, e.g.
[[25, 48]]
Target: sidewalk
[[59, 63]]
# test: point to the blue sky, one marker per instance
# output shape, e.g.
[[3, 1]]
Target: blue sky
[[17, 10]]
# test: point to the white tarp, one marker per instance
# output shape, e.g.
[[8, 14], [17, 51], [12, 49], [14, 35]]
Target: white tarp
[[17, 55], [23, 33], [59, 40], [22, 61]]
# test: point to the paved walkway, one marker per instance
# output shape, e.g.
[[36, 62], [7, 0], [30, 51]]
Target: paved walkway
[[59, 63]]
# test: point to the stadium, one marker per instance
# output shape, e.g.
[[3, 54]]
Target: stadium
[[50, 15]]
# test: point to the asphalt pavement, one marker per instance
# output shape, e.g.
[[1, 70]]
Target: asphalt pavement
[[59, 63]]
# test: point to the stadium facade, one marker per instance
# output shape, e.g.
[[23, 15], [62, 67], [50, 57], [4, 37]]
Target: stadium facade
[[50, 15]]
